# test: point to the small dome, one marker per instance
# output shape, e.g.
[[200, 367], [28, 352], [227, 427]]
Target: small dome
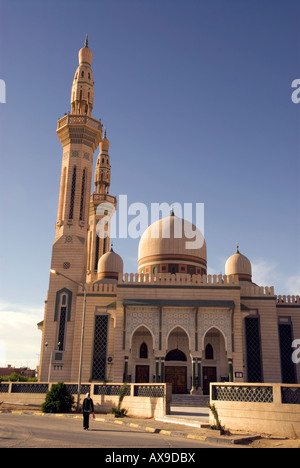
[[85, 54], [104, 145], [110, 265], [172, 245], [239, 265]]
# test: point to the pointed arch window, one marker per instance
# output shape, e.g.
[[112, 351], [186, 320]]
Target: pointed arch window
[[62, 328], [104, 245], [82, 198], [209, 352], [72, 199], [62, 315], [144, 351], [97, 249]]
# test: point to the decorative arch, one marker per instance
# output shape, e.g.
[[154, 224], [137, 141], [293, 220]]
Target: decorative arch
[[220, 331], [63, 292], [136, 329], [183, 329]]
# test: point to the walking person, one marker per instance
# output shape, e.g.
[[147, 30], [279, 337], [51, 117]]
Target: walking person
[[87, 409]]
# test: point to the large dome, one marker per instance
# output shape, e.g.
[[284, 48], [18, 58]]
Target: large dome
[[172, 245], [240, 266]]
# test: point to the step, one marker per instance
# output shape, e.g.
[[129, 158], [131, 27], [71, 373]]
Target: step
[[189, 400]]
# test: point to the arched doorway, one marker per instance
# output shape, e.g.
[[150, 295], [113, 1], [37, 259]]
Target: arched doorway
[[176, 362], [214, 363], [142, 360]]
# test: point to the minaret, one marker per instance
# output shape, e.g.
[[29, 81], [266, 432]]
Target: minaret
[[79, 135], [102, 206], [82, 94], [102, 172]]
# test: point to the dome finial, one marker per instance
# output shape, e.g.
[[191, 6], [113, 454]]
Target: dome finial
[[237, 248], [86, 42], [172, 211]]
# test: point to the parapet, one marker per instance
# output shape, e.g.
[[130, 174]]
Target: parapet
[[178, 279], [98, 287], [254, 290], [288, 300]]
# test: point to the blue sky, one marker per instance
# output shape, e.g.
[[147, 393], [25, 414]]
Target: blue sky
[[196, 99]]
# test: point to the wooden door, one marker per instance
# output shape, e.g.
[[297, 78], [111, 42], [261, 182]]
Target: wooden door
[[142, 374], [177, 376], [209, 375]]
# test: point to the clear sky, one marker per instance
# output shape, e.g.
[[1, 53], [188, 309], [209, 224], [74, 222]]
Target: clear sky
[[196, 99]]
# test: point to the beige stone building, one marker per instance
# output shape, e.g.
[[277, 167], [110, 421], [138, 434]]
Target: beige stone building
[[170, 321]]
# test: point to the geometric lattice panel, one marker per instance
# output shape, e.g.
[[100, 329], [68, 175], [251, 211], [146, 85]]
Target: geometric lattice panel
[[253, 353], [73, 388], [243, 393], [290, 395], [286, 350], [100, 347], [110, 390], [152, 391]]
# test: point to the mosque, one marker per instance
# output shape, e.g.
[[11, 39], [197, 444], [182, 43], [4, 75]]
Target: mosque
[[168, 322]]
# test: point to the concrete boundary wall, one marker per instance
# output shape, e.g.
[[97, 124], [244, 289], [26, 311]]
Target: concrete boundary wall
[[262, 408], [142, 400]]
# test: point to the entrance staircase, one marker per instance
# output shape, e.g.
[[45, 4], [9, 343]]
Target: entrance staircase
[[189, 410], [186, 401]]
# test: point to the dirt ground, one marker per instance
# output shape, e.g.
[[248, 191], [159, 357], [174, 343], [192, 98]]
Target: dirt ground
[[268, 441], [275, 442]]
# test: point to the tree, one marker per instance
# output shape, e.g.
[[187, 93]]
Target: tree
[[14, 377], [118, 411], [58, 400]]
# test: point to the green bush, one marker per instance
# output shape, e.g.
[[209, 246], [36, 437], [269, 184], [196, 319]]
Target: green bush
[[58, 400]]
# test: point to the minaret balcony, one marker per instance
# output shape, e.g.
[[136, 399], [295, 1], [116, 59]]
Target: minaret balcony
[[79, 129], [71, 119], [101, 197]]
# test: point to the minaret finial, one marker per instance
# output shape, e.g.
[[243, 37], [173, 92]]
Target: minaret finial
[[86, 42], [172, 212]]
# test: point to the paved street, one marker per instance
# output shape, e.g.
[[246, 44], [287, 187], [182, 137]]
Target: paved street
[[31, 431]]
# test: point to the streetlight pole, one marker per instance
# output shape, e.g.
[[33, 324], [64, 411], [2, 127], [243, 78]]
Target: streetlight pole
[[55, 272]]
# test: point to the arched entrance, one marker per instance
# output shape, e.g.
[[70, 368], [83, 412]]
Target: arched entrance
[[142, 364], [176, 361], [214, 362]]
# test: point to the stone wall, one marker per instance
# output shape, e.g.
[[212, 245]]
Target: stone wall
[[141, 401], [263, 408]]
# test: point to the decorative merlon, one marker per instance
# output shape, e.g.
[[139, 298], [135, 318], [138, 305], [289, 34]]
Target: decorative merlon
[[288, 300], [178, 279]]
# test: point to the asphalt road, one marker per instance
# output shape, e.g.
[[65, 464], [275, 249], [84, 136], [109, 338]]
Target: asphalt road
[[31, 431]]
